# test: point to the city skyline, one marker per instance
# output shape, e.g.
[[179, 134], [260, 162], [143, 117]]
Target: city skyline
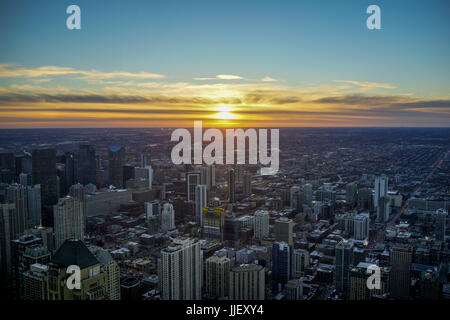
[[166, 64]]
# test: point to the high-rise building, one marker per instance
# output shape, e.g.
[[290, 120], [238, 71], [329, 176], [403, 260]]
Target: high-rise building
[[192, 180], [167, 217], [180, 270], [34, 205], [358, 282], [213, 223], [301, 262], [380, 189], [365, 198], [211, 176], [150, 176], [295, 197], [283, 230], [400, 262], [26, 250], [294, 289], [69, 221], [361, 226], [116, 161], [282, 265], [261, 229], [344, 259], [35, 285], [78, 191], [247, 282], [44, 173], [7, 217], [17, 194], [351, 193], [93, 279], [383, 209], [247, 184], [231, 186], [440, 224], [307, 194], [111, 270], [86, 164], [217, 276], [201, 201], [152, 209]]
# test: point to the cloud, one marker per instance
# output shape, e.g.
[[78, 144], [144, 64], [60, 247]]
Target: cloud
[[15, 71], [221, 77], [268, 79], [368, 84]]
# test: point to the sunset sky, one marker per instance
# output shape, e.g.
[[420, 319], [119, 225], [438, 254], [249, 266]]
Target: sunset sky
[[228, 63]]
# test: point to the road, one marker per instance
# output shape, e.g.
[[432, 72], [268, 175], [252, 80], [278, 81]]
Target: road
[[418, 188]]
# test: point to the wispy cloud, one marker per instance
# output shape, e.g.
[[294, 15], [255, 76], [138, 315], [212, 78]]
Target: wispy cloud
[[366, 84], [15, 71], [268, 79], [221, 77]]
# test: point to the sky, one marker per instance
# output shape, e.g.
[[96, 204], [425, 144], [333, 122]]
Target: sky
[[228, 63]]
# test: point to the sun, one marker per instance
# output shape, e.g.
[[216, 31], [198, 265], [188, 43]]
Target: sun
[[225, 113]]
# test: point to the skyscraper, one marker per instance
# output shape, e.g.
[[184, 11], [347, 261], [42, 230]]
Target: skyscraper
[[307, 194], [283, 230], [180, 270], [231, 186], [358, 282], [44, 173], [261, 229], [247, 282], [86, 164], [380, 189], [440, 224], [282, 265], [217, 276], [111, 270], [93, 280], [351, 193], [17, 194], [344, 259], [7, 216], [201, 201], [213, 223], [361, 226], [167, 217], [301, 262], [69, 221], [34, 205], [247, 184], [400, 262], [192, 180], [116, 161], [383, 209]]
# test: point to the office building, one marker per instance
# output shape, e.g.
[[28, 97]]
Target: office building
[[69, 221], [192, 180], [283, 230], [86, 164], [180, 270], [247, 282], [231, 186], [344, 259], [116, 161], [301, 262], [217, 276], [400, 263], [282, 265], [201, 201], [261, 229]]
